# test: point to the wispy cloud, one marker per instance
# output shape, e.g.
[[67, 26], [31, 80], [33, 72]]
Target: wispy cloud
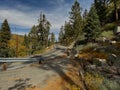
[[25, 13], [18, 18], [27, 19]]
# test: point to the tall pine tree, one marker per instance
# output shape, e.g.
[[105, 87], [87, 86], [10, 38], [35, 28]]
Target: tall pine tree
[[76, 19], [61, 35], [38, 36], [92, 26], [52, 38], [101, 8], [43, 30], [5, 35]]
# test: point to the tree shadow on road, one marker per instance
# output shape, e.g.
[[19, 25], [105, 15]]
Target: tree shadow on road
[[21, 84], [60, 69]]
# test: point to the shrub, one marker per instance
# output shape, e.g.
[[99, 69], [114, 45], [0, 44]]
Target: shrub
[[109, 26], [110, 85], [107, 34], [93, 82]]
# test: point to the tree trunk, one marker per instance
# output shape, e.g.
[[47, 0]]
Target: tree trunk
[[116, 11]]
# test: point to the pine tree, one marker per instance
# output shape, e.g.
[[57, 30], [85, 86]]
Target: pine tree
[[76, 19], [61, 35], [101, 8], [26, 41], [5, 35], [85, 14], [38, 36], [68, 33], [52, 38], [33, 39], [92, 26], [43, 30]]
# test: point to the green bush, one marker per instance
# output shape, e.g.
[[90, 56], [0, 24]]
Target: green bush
[[110, 85], [107, 34], [109, 26], [95, 81]]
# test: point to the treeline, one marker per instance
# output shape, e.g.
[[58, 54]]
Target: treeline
[[37, 39], [39, 36], [103, 15]]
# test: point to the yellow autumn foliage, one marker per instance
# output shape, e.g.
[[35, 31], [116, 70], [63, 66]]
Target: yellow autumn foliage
[[16, 43]]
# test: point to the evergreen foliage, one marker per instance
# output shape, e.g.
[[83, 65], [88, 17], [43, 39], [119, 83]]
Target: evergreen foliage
[[61, 35], [39, 34], [76, 19], [26, 41], [52, 38], [92, 26], [5, 35], [72, 29], [108, 11]]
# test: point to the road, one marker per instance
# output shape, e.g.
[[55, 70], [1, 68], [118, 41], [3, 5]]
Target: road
[[38, 75], [45, 56]]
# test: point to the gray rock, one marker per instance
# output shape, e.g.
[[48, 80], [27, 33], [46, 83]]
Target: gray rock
[[92, 66], [111, 59], [103, 62]]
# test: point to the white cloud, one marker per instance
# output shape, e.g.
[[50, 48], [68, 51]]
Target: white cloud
[[18, 18], [56, 17], [20, 33]]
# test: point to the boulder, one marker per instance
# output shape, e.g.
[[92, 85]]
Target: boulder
[[113, 42], [111, 59], [103, 62], [90, 68]]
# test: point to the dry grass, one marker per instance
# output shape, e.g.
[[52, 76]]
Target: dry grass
[[94, 82], [89, 54]]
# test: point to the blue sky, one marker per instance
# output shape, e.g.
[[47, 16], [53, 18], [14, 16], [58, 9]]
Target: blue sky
[[23, 14]]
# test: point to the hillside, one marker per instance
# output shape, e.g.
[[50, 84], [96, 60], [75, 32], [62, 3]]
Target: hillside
[[100, 62]]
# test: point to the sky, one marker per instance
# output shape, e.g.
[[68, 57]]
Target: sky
[[23, 14]]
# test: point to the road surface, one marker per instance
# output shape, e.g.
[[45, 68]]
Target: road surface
[[31, 75], [58, 51]]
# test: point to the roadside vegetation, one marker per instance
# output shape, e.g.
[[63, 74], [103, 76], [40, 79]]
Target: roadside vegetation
[[96, 44]]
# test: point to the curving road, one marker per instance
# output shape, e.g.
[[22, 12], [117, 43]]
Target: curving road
[[51, 54], [35, 74]]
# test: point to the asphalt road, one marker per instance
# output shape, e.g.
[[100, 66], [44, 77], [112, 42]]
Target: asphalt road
[[58, 50], [36, 75]]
